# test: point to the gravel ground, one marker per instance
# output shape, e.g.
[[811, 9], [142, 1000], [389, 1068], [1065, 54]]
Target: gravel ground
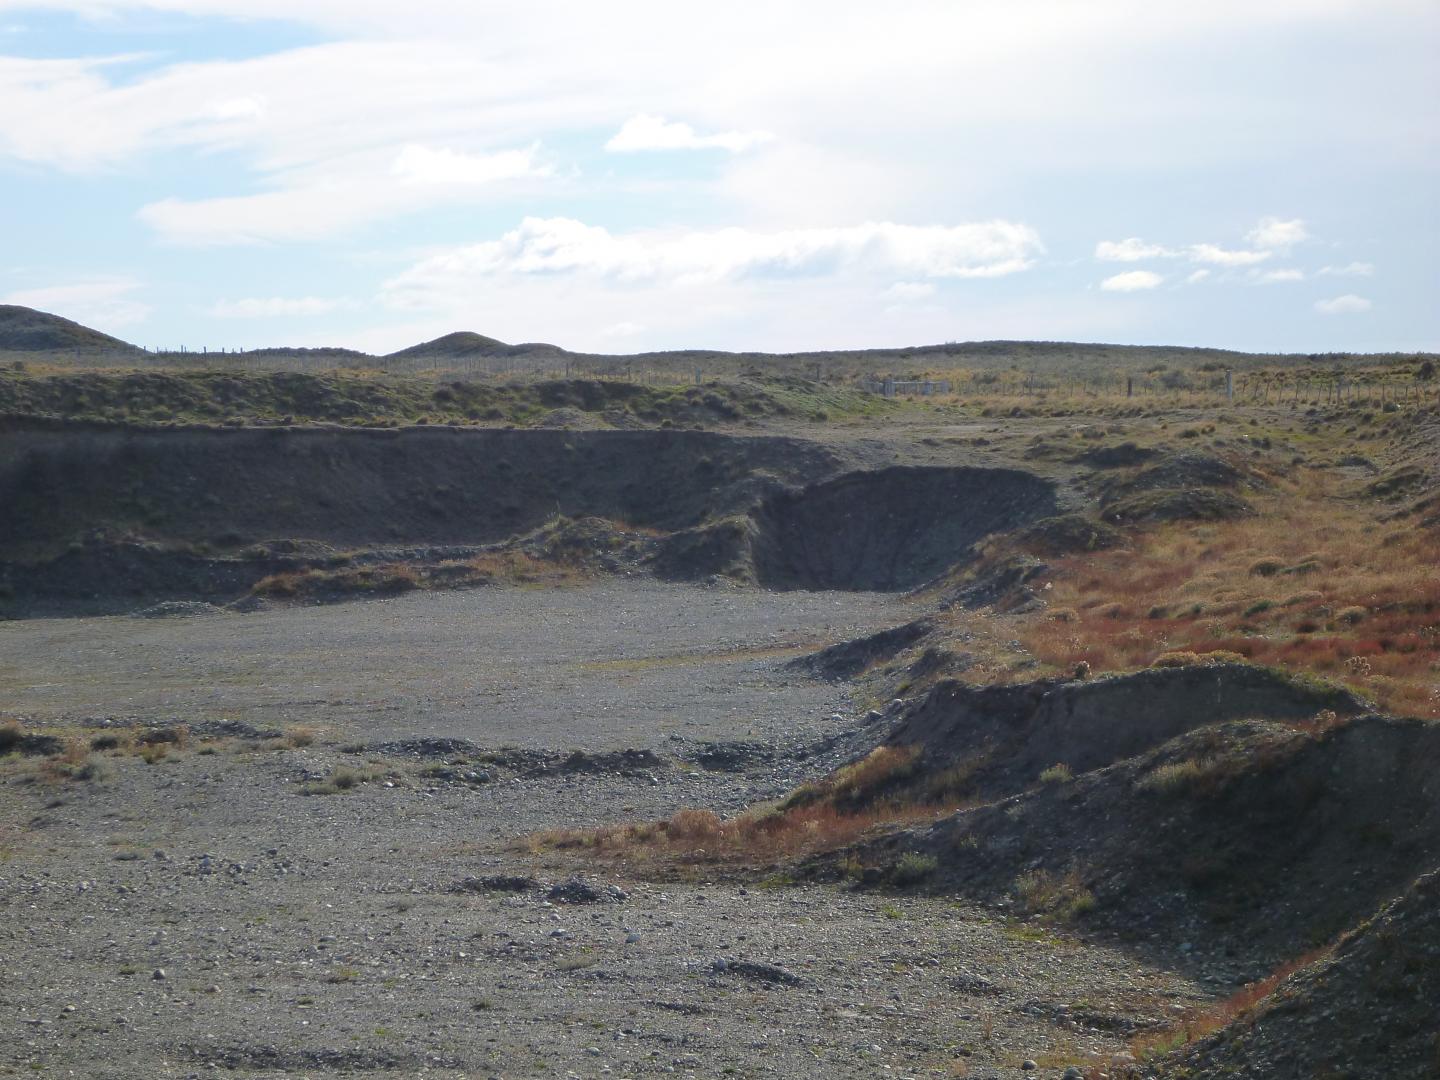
[[203, 915], [611, 665]]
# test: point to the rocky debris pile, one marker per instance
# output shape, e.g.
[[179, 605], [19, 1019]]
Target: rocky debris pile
[[759, 972], [505, 883], [576, 890], [178, 609]]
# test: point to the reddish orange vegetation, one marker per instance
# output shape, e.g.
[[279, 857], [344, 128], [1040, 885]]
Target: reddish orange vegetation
[[765, 835], [828, 814], [1312, 583], [1222, 1013]]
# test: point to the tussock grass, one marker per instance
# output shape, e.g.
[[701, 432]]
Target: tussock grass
[[1041, 892], [341, 779]]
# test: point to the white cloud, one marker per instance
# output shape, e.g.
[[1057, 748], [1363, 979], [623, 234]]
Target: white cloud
[[1218, 256], [909, 290], [104, 304], [1277, 277], [1349, 304], [417, 164], [1275, 234], [1132, 281], [316, 206], [238, 108], [622, 330], [565, 247], [646, 132], [270, 307], [1197, 277], [1132, 249], [1354, 269]]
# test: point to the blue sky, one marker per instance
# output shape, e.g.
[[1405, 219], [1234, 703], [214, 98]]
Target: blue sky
[[634, 175]]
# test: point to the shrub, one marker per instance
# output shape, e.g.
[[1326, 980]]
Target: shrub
[[1351, 615], [10, 736], [1058, 773], [1175, 658], [1179, 777], [176, 735], [1040, 892], [695, 827], [341, 778], [913, 868], [1223, 656]]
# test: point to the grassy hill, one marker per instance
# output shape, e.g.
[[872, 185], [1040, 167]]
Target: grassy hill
[[24, 329]]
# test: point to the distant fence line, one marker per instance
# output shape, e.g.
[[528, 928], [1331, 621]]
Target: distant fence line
[[1289, 386]]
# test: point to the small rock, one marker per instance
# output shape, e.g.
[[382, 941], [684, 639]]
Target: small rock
[[1028, 1065]]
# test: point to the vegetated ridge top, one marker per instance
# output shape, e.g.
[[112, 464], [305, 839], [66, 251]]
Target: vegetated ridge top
[[24, 329]]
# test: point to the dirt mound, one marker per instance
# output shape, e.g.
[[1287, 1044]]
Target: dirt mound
[[1065, 534], [1239, 844], [24, 329], [1181, 487], [1196, 504], [1000, 580], [1368, 1010], [847, 659], [1002, 737], [1184, 470], [1122, 456], [890, 529]]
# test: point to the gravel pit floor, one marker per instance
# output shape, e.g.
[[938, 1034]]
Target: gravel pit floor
[[203, 915]]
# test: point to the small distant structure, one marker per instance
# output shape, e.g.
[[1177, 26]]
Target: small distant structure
[[889, 386]]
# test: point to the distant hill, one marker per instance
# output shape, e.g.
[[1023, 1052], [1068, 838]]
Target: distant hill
[[24, 329], [464, 345]]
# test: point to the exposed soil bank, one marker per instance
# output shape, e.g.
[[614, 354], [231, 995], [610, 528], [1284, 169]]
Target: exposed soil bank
[[106, 515], [891, 529], [359, 488]]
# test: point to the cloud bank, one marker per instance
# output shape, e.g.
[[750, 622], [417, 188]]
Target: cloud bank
[[552, 247]]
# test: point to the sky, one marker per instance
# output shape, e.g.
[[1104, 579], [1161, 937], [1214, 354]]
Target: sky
[[780, 175]]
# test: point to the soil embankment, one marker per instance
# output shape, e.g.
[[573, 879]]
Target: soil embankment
[[109, 514]]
